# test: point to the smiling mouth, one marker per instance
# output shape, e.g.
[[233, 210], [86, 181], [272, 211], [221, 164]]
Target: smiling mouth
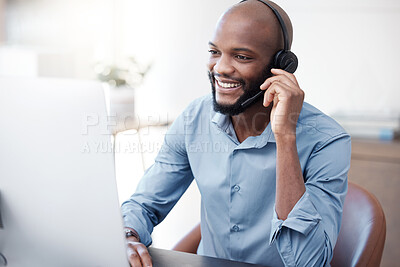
[[226, 85]]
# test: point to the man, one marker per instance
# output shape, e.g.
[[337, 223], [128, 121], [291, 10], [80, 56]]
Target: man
[[272, 176]]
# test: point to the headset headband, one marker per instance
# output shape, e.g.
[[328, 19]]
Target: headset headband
[[281, 22]]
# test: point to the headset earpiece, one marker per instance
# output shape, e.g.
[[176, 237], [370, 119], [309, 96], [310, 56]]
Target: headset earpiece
[[286, 60]]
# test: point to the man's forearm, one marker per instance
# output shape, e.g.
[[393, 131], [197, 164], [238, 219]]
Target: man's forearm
[[289, 178]]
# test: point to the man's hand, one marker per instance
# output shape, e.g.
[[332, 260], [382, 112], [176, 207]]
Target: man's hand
[[287, 97], [138, 255]]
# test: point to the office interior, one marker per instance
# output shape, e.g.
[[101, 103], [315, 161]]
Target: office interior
[[151, 56]]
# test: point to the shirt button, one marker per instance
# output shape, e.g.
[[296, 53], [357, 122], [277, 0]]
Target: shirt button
[[235, 228], [236, 188]]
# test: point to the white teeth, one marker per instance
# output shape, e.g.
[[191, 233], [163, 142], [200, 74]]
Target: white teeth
[[228, 85]]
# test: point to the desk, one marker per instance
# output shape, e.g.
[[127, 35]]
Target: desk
[[169, 258]]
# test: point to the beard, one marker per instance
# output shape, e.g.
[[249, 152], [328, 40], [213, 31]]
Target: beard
[[250, 89]]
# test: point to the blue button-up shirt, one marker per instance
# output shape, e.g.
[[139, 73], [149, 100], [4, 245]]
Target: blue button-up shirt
[[237, 186]]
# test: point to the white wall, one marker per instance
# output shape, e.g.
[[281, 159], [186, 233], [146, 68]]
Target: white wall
[[348, 52], [68, 37], [347, 49]]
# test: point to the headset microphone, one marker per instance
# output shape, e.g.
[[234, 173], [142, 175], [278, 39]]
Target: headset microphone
[[283, 59]]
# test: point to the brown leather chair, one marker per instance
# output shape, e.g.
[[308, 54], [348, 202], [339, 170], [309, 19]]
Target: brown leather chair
[[361, 238], [363, 230]]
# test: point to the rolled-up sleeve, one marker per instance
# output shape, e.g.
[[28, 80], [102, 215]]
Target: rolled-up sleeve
[[161, 186], [308, 235]]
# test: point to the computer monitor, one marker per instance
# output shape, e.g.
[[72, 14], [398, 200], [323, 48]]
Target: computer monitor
[[58, 198]]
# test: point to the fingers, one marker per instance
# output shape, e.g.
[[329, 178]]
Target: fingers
[[145, 256], [138, 255], [133, 257], [280, 85], [282, 76], [279, 91], [273, 91], [287, 74]]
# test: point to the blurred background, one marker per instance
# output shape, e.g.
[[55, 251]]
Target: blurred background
[[151, 56]]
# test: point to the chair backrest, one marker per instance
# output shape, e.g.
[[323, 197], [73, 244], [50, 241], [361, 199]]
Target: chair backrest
[[361, 238], [363, 230]]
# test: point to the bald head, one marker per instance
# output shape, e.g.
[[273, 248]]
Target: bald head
[[258, 16]]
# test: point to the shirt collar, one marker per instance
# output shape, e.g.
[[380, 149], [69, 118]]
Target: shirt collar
[[223, 122]]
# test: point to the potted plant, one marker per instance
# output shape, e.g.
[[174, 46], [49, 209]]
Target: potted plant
[[121, 81]]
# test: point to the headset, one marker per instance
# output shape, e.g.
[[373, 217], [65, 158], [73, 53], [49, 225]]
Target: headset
[[284, 59]]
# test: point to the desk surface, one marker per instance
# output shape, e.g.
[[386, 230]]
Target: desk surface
[[169, 258]]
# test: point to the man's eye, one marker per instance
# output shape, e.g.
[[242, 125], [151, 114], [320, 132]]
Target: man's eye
[[243, 57], [213, 52]]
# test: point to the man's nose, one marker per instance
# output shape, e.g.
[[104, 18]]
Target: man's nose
[[224, 66]]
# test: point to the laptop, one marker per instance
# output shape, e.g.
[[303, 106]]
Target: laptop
[[58, 195]]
